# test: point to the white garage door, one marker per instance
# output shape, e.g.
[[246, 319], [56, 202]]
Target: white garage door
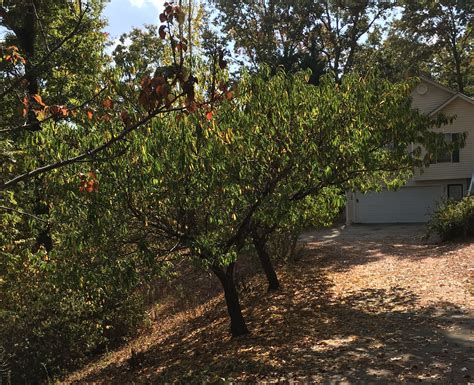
[[408, 204]]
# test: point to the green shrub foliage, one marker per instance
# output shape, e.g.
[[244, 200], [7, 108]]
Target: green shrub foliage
[[453, 219]]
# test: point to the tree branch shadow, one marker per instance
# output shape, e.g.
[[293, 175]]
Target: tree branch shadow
[[303, 332]]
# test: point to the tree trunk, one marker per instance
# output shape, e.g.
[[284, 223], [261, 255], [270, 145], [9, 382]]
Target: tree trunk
[[266, 262], [237, 322]]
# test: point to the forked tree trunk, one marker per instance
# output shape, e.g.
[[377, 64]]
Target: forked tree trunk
[[260, 247], [237, 322]]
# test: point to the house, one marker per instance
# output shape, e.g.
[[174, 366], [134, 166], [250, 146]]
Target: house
[[452, 176]]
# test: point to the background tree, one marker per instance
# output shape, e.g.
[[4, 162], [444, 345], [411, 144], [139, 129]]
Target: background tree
[[445, 29], [272, 33], [430, 38], [304, 34]]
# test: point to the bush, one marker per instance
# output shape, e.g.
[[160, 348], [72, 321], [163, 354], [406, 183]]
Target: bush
[[453, 220], [50, 322]]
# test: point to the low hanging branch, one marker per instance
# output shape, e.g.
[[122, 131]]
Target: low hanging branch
[[90, 153]]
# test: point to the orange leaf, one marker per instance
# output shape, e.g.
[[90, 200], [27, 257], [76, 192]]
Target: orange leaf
[[38, 100], [90, 186], [209, 115], [90, 114]]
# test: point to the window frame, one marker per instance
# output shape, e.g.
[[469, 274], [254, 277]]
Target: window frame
[[454, 155], [455, 185]]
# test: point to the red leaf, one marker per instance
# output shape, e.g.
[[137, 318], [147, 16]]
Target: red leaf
[[55, 110], [90, 114], [162, 32], [143, 99], [191, 107], [209, 115], [163, 90], [125, 118], [145, 82], [163, 17], [107, 103], [182, 46]]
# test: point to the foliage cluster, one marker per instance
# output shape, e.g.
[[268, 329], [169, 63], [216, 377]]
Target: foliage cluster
[[453, 219]]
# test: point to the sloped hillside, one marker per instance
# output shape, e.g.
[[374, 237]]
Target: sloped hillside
[[351, 311]]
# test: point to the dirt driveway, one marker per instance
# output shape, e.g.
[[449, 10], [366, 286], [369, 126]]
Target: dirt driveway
[[392, 267]]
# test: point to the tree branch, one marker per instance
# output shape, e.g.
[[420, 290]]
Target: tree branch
[[89, 153]]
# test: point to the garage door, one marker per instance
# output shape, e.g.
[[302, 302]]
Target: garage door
[[408, 204]]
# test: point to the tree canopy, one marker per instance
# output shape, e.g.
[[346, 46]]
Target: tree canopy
[[118, 169]]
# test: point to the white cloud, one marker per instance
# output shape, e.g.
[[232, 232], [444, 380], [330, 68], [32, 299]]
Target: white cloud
[[158, 4], [137, 3]]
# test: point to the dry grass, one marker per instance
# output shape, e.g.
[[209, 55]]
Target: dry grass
[[349, 312]]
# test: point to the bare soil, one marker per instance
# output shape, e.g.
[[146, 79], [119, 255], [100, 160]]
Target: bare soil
[[362, 305]]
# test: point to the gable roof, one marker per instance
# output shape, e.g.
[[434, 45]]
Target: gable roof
[[455, 94], [437, 84]]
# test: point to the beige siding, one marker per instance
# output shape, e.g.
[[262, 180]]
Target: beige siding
[[443, 183], [464, 122], [432, 99], [438, 175]]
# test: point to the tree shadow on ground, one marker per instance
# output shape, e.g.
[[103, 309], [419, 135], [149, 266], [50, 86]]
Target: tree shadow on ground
[[304, 333]]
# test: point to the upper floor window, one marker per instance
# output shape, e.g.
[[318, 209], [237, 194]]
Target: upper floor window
[[449, 156]]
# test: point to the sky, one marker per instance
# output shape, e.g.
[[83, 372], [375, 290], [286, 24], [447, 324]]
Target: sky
[[123, 15]]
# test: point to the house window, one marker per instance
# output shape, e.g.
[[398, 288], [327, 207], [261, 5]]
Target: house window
[[449, 156], [455, 191]]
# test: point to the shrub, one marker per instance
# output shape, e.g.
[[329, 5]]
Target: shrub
[[48, 329], [453, 219]]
